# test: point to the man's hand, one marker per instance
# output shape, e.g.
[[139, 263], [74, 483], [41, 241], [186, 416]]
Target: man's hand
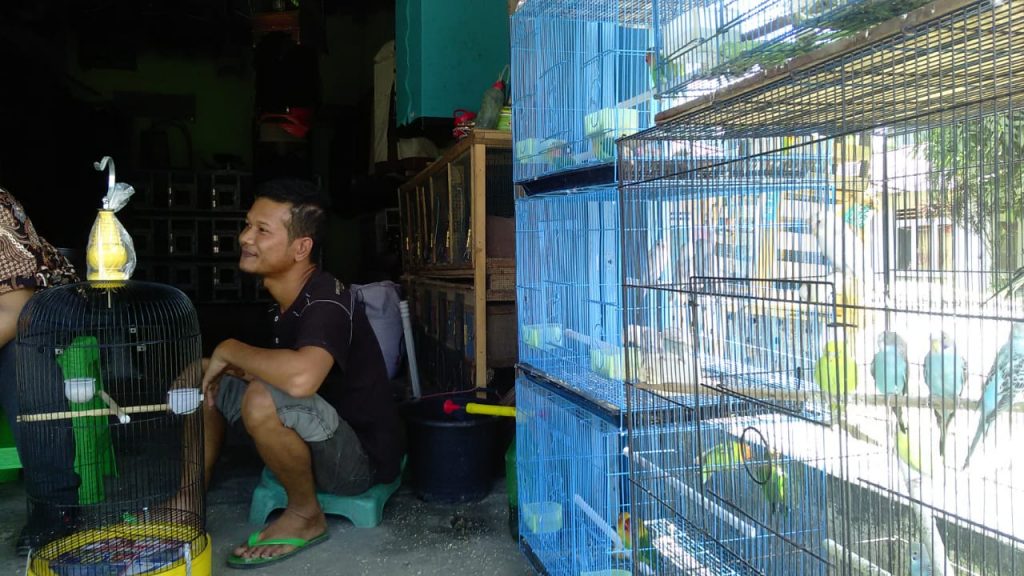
[[213, 368]]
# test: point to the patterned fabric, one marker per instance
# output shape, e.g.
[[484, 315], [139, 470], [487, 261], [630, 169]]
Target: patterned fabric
[[26, 260]]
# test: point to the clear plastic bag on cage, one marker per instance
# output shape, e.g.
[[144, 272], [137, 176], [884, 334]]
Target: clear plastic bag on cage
[[110, 254]]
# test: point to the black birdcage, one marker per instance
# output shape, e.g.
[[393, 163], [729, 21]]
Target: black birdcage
[[111, 429]]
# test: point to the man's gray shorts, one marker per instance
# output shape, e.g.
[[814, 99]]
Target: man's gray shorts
[[340, 465]]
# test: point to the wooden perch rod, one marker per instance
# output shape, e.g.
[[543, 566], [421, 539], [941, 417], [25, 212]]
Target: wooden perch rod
[[68, 414], [766, 394]]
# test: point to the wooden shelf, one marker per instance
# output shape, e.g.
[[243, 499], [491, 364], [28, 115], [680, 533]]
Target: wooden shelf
[[456, 239]]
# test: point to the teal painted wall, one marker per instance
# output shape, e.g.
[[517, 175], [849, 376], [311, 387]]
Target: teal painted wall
[[448, 52]]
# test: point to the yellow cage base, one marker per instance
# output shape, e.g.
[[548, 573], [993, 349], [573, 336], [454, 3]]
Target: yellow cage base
[[200, 565]]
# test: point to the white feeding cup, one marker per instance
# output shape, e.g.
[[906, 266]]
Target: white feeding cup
[[79, 389], [184, 400]]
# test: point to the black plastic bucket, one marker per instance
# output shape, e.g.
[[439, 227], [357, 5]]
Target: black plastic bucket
[[451, 455]]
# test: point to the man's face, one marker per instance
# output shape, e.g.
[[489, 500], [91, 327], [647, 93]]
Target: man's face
[[265, 246]]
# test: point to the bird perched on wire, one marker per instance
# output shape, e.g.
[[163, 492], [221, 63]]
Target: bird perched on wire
[[890, 369], [945, 373], [1015, 283], [773, 481], [674, 70], [723, 456], [644, 551], [1004, 381], [840, 244], [835, 373], [920, 560], [658, 259]]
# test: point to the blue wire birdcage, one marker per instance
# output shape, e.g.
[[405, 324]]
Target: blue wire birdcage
[[572, 479], [580, 80], [568, 290], [859, 310]]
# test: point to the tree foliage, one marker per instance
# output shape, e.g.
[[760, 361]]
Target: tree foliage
[[974, 177]]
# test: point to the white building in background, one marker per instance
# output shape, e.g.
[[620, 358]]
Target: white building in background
[[927, 244]]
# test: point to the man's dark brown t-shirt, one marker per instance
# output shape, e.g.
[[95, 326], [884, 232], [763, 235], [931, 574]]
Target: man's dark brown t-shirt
[[357, 385]]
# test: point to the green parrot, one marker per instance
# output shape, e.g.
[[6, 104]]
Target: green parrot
[[836, 374], [723, 456], [774, 482], [94, 453]]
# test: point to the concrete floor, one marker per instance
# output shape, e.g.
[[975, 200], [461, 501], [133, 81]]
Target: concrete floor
[[415, 538]]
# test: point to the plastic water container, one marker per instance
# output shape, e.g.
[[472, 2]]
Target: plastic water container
[[451, 455]]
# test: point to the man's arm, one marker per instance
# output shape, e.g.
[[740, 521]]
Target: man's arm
[[296, 372], [11, 304]]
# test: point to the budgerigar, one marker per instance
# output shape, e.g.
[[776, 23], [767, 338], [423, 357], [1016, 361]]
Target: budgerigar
[[836, 374], [644, 551], [1004, 381], [945, 373], [840, 244], [920, 560], [890, 368], [723, 456], [916, 443], [657, 261]]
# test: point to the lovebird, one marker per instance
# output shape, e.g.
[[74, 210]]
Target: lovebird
[[644, 551], [890, 369], [920, 560], [723, 456], [945, 372], [675, 70], [836, 374], [1004, 381]]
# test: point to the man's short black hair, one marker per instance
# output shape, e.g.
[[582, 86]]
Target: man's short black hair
[[307, 209]]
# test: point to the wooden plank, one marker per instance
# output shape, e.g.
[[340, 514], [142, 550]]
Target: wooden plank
[[478, 163]]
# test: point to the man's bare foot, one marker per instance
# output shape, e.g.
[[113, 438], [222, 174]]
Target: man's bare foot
[[291, 524]]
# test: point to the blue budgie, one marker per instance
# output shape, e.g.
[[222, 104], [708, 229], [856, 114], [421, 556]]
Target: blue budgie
[[945, 373], [920, 560], [1004, 381], [890, 368]]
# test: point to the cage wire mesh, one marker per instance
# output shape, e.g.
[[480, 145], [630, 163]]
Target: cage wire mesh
[[854, 299], [111, 425], [703, 45], [572, 476], [569, 290], [580, 80]]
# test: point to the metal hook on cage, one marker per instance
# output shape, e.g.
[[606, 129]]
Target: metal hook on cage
[[768, 451], [104, 164]]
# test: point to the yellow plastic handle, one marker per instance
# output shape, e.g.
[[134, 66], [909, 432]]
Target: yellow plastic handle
[[490, 410]]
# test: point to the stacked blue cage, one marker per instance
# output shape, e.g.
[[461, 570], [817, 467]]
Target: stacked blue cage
[[580, 80], [568, 290]]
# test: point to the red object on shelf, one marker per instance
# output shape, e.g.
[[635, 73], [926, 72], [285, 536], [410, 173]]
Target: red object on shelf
[[295, 121], [286, 21], [464, 122]]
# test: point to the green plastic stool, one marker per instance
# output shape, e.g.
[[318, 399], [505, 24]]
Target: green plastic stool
[[364, 510], [10, 464]]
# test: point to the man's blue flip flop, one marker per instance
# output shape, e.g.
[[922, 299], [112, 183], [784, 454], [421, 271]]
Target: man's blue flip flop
[[255, 542]]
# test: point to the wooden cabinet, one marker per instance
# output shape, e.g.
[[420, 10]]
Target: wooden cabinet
[[458, 243]]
